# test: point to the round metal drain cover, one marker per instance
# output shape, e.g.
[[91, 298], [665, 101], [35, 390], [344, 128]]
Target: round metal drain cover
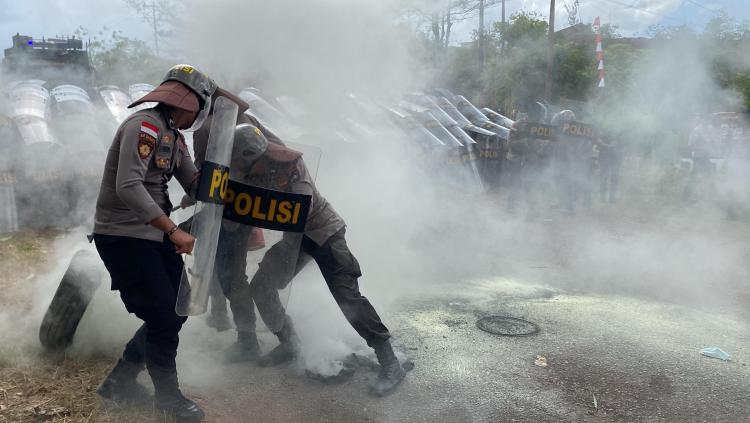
[[507, 326]]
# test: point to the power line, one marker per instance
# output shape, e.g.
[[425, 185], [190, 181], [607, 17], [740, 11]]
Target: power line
[[694, 3], [644, 10]]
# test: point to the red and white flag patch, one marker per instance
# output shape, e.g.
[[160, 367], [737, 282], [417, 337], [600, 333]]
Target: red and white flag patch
[[150, 129]]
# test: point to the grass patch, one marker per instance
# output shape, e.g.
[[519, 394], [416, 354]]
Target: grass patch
[[61, 389]]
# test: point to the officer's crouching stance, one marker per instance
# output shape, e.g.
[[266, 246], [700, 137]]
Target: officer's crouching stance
[[140, 245], [323, 242]]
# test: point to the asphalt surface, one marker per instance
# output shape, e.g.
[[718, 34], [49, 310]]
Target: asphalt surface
[[609, 358]]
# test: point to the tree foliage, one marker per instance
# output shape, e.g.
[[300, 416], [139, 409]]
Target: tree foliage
[[514, 72], [120, 60]]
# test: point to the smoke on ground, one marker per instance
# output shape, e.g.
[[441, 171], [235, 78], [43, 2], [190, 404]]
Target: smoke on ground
[[415, 239]]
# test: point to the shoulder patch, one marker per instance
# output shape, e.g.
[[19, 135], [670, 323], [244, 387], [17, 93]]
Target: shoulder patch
[[146, 145], [149, 129]]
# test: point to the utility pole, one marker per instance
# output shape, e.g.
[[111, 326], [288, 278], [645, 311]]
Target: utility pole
[[502, 34], [503, 13], [448, 25], [153, 21], [481, 33], [550, 52]]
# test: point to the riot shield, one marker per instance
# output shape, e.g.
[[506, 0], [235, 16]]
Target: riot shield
[[413, 129], [478, 118], [192, 297], [137, 91], [72, 111], [117, 102], [29, 108], [8, 209], [271, 117], [496, 117], [448, 122], [263, 110], [439, 131], [491, 148], [293, 107], [461, 161], [275, 195], [452, 111]]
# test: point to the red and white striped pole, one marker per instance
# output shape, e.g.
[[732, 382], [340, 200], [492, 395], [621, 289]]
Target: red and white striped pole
[[599, 50]]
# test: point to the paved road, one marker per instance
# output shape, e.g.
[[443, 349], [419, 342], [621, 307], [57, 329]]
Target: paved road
[[638, 358]]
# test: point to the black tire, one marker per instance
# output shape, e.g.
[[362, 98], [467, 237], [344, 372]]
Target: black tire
[[71, 300]]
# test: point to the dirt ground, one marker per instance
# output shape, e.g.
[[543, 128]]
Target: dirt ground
[[36, 386]]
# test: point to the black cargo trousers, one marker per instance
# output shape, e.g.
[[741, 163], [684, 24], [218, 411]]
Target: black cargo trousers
[[147, 274], [340, 270], [231, 274]]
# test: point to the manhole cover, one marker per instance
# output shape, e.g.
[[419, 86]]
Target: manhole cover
[[507, 326]]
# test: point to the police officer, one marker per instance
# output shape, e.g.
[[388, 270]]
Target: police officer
[[700, 144], [610, 161], [564, 163], [137, 241], [515, 157], [324, 241], [235, 241]]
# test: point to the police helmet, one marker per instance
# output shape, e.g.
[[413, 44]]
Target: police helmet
[[563, 116], [249, 145]]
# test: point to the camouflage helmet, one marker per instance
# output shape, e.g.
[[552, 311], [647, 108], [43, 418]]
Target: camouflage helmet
[[194, 79]]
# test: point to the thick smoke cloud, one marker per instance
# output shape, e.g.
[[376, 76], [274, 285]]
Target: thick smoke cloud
[[415, 239], [318, 49]]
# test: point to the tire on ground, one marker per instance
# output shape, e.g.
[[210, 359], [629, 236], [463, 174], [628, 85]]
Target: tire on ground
[[71, 300]]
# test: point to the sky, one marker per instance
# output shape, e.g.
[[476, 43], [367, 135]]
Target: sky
[[634, 17], [50, 18]]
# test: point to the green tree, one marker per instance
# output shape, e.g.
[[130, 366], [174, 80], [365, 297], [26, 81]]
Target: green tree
[[120, 60], [525, 28], [575, 72]]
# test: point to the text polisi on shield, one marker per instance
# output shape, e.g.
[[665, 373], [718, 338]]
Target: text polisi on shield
[[266, 208], [213, 183]]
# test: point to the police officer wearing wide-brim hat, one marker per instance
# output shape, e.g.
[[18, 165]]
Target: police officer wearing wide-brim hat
[[137, 241]]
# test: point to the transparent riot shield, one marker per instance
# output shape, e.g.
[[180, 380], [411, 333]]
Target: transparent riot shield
[[71, 100], [8, 208], [29, 108], [137, 91], [293, 107], [497, 118], [117, 102], [491, 148], [262, 109], [192, 298], [459, 160], [273, 195], [73, 110]]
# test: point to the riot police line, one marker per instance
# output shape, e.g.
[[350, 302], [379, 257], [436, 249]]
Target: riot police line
[[53, 129]]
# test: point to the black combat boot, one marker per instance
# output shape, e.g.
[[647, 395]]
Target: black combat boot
[[219, 318], [245, 349], [391, 373], [121, 387], [170, 400], [288, 347]]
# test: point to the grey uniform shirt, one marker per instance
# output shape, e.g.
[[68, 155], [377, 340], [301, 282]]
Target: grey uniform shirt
[[322, 221], [145, 153]]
